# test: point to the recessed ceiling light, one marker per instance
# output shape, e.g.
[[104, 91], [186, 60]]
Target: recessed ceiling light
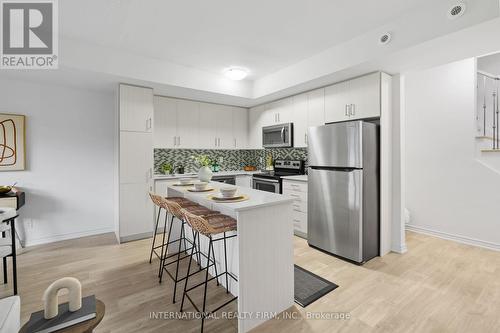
[[385, 38], [457, 10], [236, 73]]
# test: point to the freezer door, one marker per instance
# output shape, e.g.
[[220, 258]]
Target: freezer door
[[334, 221], [337, 145]]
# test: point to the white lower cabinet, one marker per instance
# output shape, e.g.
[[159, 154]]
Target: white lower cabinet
[[136, 212], [244, 181], [298, 191]]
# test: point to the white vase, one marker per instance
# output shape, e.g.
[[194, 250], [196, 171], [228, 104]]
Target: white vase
[[205, 174]]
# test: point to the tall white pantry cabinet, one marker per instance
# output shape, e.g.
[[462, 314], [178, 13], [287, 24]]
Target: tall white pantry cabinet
[[135, 162]]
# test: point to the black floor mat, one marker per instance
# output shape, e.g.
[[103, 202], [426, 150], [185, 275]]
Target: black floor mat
[[309, 287]]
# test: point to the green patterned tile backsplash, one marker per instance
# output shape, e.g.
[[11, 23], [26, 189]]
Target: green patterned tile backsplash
[[228, 160]]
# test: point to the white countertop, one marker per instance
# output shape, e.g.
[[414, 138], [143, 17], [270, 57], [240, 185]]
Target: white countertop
[[194, 174], [256, 199], [301, 178]]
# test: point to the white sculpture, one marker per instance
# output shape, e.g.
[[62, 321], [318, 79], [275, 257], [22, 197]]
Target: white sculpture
[[51, 306]]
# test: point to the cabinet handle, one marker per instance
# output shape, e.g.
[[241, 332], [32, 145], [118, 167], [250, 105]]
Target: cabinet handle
[[179, 140], [215, 142], [218, 142], [175, 141], [278, 117], [347, 110], [353, 109], [150, 173], [305, 138]]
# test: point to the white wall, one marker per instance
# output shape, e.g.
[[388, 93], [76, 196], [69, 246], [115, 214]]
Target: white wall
[[448, 192], [69, 146]]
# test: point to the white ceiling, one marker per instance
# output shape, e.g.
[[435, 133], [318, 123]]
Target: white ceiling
[[179, 48], [262, 35]]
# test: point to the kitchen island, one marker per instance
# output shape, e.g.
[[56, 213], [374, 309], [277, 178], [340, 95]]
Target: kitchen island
[[261, 255]]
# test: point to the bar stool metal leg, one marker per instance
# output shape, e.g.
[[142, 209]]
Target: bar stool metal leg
[[196, 234], [178, 260], [164, 255], [225, 264], [210, 249], [154, 235]]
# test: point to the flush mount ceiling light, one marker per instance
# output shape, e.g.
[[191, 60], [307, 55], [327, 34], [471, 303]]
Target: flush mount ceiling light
[[236, 73], [457, 10]]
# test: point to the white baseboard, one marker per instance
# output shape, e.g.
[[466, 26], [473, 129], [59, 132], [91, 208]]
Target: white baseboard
[[453, 237], [57, 238], [399, 249]]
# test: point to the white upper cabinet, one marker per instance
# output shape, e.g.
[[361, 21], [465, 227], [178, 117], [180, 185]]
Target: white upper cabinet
[[365, 95], [300, 110], [225, 138], [165, 124], [337, 102], [136, 108], [208, 126], [257, 118], [316, 107], [190, 124], [188, 118], [240, 128], [354, 99]]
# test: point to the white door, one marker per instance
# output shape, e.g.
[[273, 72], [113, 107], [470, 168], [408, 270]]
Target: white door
[[165, 122], [136, 157], [136, 108], [365, 96], [225, 127], [188, 117], [240, 128], [337, 102], [208, 126], [316, 107], [300, 107]]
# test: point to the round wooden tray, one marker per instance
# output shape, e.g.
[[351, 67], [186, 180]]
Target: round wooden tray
[[243, 197], [86, 326]]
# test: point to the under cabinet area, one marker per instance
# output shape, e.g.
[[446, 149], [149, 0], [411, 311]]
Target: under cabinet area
[[197, 125], [298, 191]]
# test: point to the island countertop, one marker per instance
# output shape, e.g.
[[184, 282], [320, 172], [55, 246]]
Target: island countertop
[[261, 254], [257, 198]]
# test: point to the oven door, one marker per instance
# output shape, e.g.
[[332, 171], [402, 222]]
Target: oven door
[[277, 136], [268, 185]]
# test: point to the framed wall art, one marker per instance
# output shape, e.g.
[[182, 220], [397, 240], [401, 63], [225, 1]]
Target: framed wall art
[[12, 142]]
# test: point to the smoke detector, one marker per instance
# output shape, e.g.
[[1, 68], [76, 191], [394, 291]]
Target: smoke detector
[[385, 38], [457, 10]]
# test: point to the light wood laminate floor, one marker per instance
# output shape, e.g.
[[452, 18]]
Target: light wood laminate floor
[[437, 286]]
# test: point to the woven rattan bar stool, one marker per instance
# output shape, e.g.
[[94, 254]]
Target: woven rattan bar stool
[[209, 226], [157, 202], [176, 211]]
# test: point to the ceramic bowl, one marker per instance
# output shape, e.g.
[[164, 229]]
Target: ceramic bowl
[[200, 186], [228, 192], [185, 181]]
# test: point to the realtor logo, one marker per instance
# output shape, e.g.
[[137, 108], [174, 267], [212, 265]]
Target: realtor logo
[[29, 34]]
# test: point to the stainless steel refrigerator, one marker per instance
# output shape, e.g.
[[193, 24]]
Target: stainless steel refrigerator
[[343, 190]]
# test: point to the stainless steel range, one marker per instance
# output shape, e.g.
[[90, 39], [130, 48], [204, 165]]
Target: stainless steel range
[[271, 181]]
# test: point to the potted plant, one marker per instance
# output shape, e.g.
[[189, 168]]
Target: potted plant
[[204, 173], [166, 168]]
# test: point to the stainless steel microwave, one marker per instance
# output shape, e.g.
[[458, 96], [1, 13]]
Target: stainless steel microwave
[[277, 136]]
